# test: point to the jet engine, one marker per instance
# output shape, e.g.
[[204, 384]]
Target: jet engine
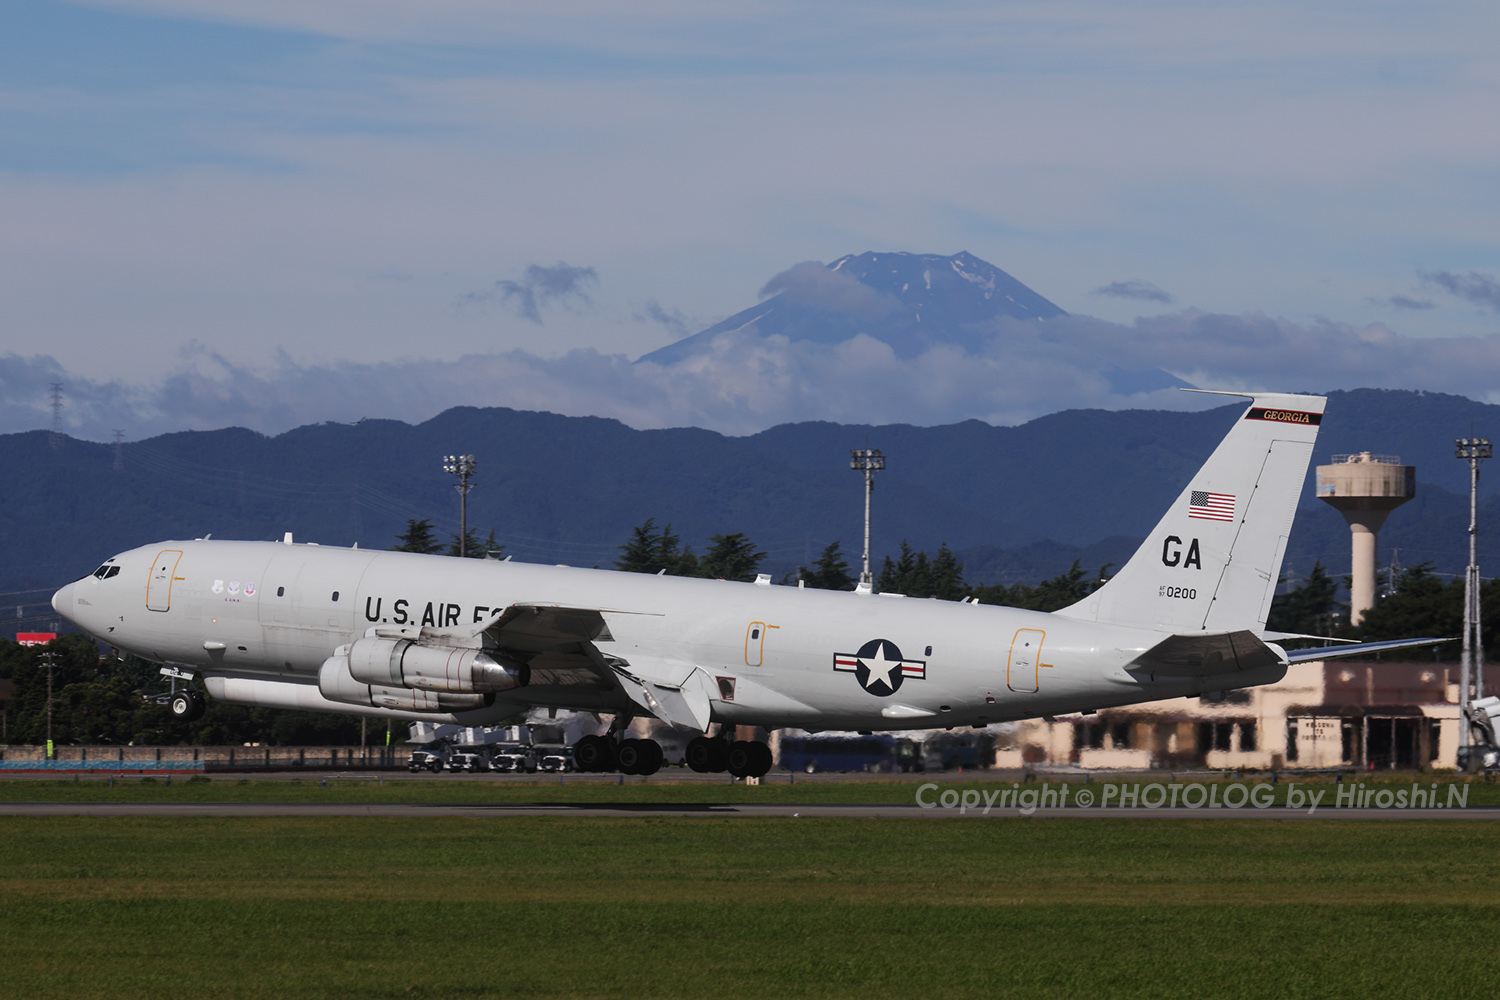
[[336, 683], [451, 669]]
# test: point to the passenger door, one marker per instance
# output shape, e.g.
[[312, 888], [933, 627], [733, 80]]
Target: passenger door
[[163, 573]]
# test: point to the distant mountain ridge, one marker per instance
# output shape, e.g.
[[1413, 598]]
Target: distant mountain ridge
[[1018, 503]]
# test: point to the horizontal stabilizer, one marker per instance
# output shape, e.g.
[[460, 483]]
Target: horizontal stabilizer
[[1201, 654], [1333, 652], [1284, 636]]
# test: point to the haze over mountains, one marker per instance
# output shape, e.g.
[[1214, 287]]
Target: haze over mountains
[[1018, 503], [875, 338]]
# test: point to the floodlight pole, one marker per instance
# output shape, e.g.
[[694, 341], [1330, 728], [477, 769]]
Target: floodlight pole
[[1473, 451], [51, 658], [461, 466], [869, 461]]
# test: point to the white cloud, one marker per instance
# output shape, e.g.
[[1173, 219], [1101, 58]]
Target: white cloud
[[744, 382]]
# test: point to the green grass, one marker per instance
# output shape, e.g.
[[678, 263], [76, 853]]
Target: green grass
[[666, 788], [578, 907]]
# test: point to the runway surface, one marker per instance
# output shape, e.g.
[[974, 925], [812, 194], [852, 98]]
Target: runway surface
[[737, 811]]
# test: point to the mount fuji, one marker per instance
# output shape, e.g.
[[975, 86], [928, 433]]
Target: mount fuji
[[911, 302]]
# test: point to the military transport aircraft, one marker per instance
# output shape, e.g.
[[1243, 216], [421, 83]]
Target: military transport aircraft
[[421, 637]]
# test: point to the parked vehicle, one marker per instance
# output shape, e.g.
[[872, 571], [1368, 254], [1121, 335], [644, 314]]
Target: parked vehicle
[[954, 751], [555, 760], [838, 753], [514, 758], [909, 756], [468, 760], [432, 757]]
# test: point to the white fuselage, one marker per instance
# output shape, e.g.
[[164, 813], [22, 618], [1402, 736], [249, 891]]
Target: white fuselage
[[266, 615]]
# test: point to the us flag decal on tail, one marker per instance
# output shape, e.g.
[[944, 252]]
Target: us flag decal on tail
[[1211, 506]]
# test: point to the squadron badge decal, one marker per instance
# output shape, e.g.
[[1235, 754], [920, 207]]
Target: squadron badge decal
[[879, 667]]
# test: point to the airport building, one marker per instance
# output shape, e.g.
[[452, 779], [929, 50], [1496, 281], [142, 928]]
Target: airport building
[[1323, 714]]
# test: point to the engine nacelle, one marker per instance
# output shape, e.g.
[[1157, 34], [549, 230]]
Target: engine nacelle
[[402, 663], [336, 683]]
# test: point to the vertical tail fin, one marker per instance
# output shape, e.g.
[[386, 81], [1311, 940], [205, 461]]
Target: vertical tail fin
[[1212, 561]]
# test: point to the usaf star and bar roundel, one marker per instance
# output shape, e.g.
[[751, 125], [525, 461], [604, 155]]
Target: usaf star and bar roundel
[[879, 666]]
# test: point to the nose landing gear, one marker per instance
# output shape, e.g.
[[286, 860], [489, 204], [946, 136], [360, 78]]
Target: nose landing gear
[[185, 705]]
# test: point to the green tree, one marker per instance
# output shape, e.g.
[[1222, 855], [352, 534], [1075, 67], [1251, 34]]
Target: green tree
[[1309, 609], [1426, 606], [652, 550], [947, 575], [418, 537], [732, 557], [895, 577], [916, 574], [830, 572], [1049, 595], [492, 546], [97, 701]]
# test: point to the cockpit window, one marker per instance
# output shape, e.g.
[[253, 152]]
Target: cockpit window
[[106, 571]]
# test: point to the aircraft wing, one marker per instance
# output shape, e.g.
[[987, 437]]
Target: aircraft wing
[[560, 642], [1330, 652], [539, 628]]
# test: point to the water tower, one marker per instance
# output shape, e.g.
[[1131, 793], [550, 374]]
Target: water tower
[[1365, 488]]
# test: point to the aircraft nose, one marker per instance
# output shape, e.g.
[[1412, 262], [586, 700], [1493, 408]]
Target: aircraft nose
[[62, 601]]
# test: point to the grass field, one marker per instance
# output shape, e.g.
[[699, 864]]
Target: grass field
[[665, 788], [706, 907]]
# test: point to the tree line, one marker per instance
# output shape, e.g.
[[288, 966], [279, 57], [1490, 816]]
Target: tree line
[[653, 549], [97, 702], [1415, 604]]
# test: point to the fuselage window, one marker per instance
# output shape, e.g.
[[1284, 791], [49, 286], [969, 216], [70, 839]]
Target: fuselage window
[[114, 571], [335, 595], [280, 591]]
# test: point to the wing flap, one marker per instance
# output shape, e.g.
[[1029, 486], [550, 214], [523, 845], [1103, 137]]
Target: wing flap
[[560, 642], [684, 705]]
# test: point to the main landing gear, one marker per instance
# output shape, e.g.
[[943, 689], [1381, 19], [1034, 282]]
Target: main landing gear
[[741, 758], [601, 753], [705, 754]]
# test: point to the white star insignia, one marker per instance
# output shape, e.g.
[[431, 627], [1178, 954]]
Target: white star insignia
[[880, 668]]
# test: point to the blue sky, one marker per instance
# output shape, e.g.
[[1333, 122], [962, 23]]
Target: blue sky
[[209, 192]]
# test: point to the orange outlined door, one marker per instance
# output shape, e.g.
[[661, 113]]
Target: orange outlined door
[[755, 643], [1023, 672], [163, 572]]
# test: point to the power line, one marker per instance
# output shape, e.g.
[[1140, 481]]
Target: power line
[[55, 438]]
